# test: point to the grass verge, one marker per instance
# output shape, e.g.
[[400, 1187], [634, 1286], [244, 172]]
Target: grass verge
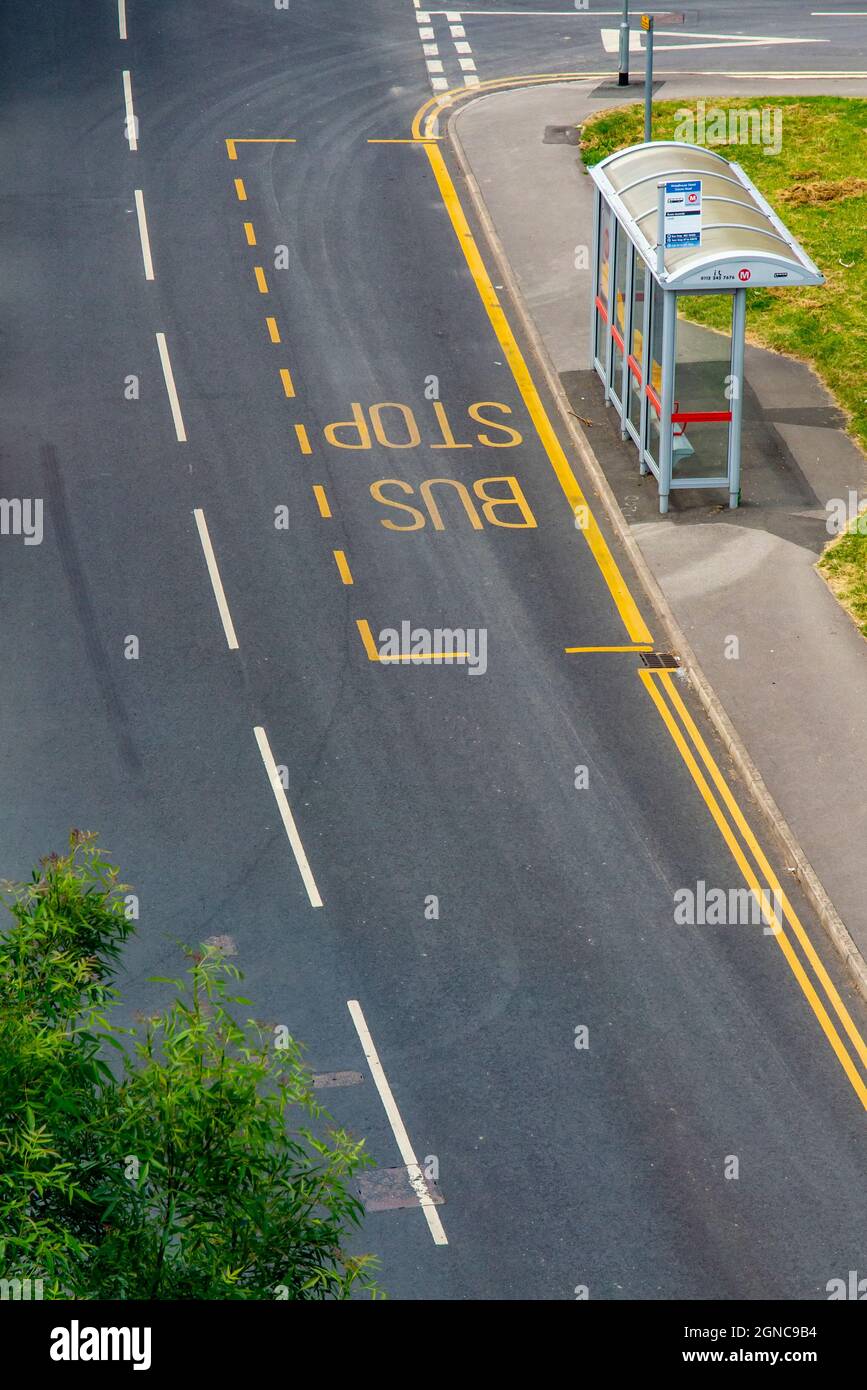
[[844, 567]]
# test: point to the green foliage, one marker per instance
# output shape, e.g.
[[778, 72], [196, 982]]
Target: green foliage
[[198, 1166], [844, 565]]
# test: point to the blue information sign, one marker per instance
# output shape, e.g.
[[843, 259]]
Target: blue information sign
[[682, 212]]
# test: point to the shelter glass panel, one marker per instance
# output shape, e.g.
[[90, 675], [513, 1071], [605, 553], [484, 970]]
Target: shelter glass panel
[[604, 274], [653, 385], [618, 310], [636, 346], [701, 411]]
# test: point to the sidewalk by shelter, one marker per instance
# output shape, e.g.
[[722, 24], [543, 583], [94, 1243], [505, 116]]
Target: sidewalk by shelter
[[659, 386]]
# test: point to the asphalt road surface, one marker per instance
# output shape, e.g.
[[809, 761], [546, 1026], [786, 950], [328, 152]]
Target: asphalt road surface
[[609, 1165], [777, 38]]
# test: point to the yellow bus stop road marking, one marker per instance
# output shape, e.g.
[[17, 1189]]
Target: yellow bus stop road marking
[[231, 144], [343, 566], [636, 647], [321, 500], [373, 654], [657, 682], [635, 625]]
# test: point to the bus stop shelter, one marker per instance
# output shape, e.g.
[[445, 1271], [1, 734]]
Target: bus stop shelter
[[678, 388]]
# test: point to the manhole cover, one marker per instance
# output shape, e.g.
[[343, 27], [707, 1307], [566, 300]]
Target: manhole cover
[[562, 135]]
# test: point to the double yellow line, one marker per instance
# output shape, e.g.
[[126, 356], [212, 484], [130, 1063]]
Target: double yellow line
[[424, 125], [750, 858]]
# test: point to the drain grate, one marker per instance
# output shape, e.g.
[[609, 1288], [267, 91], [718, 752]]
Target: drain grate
[[661, 661], [562, 135]]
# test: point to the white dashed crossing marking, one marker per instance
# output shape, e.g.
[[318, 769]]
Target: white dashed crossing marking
[[435, 51]]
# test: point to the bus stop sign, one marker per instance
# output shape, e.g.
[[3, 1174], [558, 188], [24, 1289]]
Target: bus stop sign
[[682, 212]]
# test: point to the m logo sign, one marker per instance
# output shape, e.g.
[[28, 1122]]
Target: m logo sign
[[743, 274]]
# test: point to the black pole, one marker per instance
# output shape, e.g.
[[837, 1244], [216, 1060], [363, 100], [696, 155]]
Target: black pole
[[623, 75]]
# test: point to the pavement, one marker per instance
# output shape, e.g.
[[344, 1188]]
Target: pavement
[[797, 690], [560, 1166]]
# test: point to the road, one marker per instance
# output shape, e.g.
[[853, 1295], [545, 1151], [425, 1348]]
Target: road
[[778, 37], [561, 1166]]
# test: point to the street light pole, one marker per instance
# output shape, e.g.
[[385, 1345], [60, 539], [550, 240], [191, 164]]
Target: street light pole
[[647, 24], [623, 75]]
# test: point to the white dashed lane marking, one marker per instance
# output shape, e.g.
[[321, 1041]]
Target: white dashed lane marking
[[131, 131], [398, 1128]]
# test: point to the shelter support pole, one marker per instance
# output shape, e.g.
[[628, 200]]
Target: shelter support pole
[[669, 311], [646, 370], [660, 229], [594, 293], [609, 221], [739, 317]]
